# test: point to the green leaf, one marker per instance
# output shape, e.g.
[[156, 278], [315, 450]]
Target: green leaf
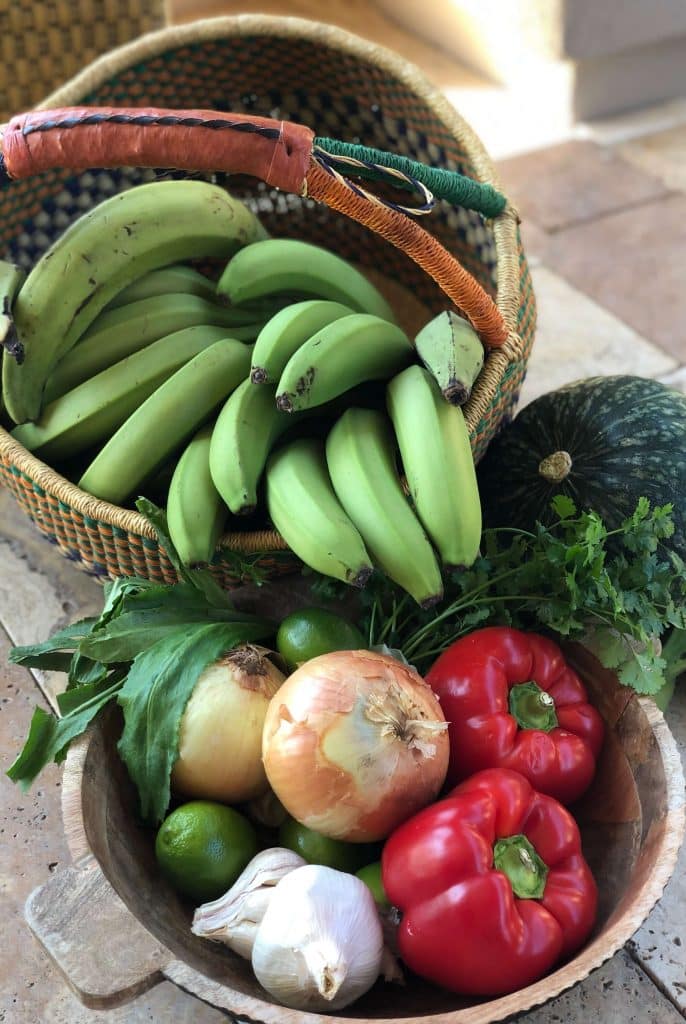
[[644, 672], [75, 700], [66, 639], [201, 579], [134, 632], [609, 646], [563, 507], [117, 591], [49, 737], [154, 696], [82, 671], [182, 596], [49, 661]]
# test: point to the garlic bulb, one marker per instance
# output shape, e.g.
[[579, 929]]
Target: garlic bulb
[[235, 917], [320, 944]]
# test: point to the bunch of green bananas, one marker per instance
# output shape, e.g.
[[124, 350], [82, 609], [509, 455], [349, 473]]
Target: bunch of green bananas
[[126, 358]]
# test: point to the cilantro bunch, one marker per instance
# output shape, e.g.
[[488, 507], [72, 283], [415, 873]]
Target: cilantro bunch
[[619, 591]]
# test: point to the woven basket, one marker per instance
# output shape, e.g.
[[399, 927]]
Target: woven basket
[[58, 37], [342, 88]]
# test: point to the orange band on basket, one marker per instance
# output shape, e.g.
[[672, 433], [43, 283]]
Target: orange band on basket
[[77, 138], [398, 229]]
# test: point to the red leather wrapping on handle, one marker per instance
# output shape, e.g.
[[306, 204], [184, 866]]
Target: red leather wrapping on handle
[[278, 152]]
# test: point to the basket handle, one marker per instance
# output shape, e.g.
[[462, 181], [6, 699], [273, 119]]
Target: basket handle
[[280, 153], [78, 138]]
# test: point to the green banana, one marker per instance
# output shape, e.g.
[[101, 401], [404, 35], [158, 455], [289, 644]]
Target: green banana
[[165, 281], [308, 515], [453, 353], [165, 420], [286, 331], [439, 467], [278, 265], [244, 433], [346, 352], [100, 254], [360, 454], [120, 332], [92, 411], [11, 280], [196, 513]]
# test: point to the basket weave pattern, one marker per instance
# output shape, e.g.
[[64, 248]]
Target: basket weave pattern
[[340, 87], [43, 42]]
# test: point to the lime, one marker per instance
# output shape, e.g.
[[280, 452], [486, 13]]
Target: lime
[[371, 876], [313, 631], [202, 847], [318, 849]]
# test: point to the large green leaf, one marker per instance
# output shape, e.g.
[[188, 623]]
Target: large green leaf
[[49, 737], [82, 670], [66, 639], [179, 596], [117, 591], [48, 661], [154, 696], [134, 632]]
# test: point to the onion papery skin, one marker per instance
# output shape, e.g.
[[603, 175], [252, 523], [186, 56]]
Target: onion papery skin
[[220, 736], [333, 759]]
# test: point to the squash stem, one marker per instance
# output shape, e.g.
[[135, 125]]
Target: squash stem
[[555, 467]]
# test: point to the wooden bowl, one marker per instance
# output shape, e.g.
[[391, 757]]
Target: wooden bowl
[[115, 928]]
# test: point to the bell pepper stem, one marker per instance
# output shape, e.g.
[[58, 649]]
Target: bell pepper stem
[[517, 859], [532, 707]]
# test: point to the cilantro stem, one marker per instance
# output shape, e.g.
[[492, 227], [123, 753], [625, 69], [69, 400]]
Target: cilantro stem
[[513, 529], [465, 601], [372, 623], [411, 649], [389, 624]]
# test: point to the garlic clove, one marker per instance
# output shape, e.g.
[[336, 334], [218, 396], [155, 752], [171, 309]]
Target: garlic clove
[[320, 943], [235, 917]]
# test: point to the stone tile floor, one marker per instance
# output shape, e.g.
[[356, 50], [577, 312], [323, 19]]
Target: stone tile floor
[[603, 225]]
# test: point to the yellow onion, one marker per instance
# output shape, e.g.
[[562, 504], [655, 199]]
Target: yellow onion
[[354, 743], [220, 738]]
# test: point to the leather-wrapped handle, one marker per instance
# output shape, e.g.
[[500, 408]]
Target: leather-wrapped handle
[[277, 152], [78, 138]]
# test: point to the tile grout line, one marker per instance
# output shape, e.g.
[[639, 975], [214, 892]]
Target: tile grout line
[[653, 978], [626, 208]]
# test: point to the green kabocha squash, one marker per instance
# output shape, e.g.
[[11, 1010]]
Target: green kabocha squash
[[604, 441]]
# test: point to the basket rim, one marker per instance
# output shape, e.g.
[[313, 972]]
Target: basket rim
[[151, 45]]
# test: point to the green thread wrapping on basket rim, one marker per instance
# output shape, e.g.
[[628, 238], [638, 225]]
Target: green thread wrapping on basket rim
[[457, 189]]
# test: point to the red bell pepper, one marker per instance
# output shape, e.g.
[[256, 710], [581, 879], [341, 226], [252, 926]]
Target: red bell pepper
[[492, 886], [512, 702]]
